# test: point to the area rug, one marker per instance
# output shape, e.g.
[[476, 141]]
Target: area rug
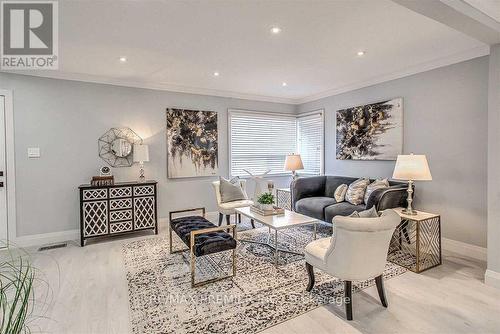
[[260, 296]]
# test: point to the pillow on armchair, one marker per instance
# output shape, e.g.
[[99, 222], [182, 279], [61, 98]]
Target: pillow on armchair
[[370, 213], [356, 191], [230, 190]]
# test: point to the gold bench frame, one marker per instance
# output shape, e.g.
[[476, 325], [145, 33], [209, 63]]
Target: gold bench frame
[[191, 247]]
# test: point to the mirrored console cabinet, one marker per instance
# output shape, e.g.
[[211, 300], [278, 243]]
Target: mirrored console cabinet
[[117, 209]]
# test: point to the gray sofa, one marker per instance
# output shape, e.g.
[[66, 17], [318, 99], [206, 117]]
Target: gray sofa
[[314, 197]]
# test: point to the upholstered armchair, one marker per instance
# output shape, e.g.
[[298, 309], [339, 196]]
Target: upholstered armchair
[[228, 209], [357, 251]]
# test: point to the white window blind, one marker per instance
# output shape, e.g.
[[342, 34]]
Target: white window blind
[[260, 141], [310, 142]]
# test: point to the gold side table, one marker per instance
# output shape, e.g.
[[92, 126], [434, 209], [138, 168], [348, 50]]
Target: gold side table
[[284, 198], [416, 242]]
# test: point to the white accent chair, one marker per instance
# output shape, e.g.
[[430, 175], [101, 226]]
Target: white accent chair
[[357, 251], [228, 209]]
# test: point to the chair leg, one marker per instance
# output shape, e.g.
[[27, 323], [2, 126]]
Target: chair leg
[[379, 280], [228, 219], [220, 218], [251, 222], [310, 273], [348, 299]]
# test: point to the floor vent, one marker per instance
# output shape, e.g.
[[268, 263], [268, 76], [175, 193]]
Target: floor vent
[[44, 248]]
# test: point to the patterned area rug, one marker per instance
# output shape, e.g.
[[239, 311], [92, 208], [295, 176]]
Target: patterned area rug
[[260, 296]]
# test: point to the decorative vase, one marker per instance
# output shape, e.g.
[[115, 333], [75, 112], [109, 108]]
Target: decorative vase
[[267, 207]]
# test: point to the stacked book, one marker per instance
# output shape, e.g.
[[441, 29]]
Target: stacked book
[[274, 211], [102, 180]]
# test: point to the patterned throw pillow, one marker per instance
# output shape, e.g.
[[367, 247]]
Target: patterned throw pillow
[[356, 191], [230, 190], [340, 193], [370, 213], [377, 184]]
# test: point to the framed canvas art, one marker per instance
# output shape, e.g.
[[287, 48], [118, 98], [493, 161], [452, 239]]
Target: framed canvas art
[[192, 143], [371, 131]]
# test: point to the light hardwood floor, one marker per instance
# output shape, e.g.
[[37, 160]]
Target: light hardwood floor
[[89, 295]]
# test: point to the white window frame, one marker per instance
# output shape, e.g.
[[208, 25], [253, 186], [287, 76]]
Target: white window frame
[[274, 114], [252, 112], [322, 156]]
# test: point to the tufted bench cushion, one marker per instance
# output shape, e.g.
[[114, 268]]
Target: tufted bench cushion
[[205, 243]]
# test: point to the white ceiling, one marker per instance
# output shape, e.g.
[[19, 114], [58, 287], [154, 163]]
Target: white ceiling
[[488, 7], [177, 45]]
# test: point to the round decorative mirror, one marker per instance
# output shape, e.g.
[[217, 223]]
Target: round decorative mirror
[[116, 146], [121, 147]]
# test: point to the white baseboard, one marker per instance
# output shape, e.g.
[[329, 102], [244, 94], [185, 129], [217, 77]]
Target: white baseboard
[[55, 237], [46, 238], [462, 248], [492, 278]]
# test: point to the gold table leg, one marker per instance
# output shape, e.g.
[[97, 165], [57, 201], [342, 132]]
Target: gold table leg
[[276, 252]]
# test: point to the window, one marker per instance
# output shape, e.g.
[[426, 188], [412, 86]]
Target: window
[[310, 142], [260, 141]]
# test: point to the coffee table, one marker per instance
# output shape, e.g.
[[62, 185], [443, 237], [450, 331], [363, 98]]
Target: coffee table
[[277, 223]]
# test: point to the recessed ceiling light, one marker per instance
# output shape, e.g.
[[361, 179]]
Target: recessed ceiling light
[[216, 74], [275, 30], [284, 84], [123, 59], [361, 53]]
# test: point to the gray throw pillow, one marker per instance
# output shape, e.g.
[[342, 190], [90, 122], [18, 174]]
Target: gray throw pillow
[[340, 193], [370, 213], [230, 190], [356, 191], [377, 184], [355, 214]]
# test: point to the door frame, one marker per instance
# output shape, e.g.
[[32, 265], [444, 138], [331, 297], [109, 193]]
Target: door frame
[[10, 166]]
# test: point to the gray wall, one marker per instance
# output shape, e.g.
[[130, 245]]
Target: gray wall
[[494, 161], [65, 119], [445, 117]]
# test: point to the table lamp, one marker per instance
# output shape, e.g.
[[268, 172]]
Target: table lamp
[[141, 155], [293, 162], [411, 168]]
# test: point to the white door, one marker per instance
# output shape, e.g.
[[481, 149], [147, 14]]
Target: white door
[[3, 191]]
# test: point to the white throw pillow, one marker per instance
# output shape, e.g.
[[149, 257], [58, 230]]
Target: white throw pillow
[[356, 191], [230, 190], [340, 193], [377, 184]]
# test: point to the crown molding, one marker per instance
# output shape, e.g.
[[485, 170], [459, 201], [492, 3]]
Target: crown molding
[[90, 78], [423, 67]]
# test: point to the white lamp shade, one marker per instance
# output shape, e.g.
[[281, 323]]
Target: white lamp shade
[[293, 162], [412, 167], [141, 153]]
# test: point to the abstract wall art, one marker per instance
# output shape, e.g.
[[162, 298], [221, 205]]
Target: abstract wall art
[[191, 143], [371, 131]]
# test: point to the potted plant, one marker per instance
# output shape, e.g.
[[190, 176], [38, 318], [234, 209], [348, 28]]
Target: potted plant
[[266, 201], [18, 281]]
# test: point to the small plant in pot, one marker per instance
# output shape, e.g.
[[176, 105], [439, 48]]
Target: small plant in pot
[[266, 201]]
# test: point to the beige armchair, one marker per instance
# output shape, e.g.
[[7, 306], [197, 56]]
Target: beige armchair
[[357, 251], [228, 209]]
